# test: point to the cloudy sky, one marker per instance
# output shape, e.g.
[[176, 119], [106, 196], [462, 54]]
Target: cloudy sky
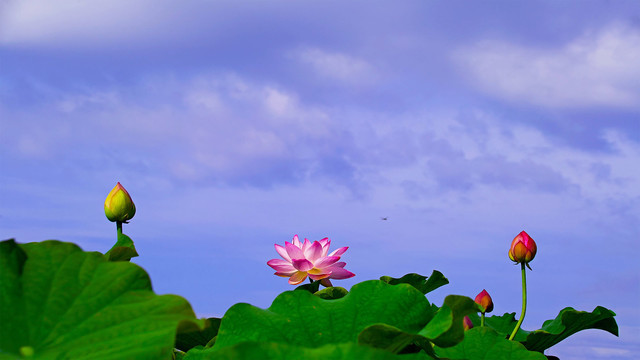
[[235, 125]]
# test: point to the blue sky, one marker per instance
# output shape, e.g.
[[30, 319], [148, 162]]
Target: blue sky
[[235, 125]]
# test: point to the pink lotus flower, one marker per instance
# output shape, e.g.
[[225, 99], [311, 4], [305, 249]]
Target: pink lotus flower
[[312, 259]]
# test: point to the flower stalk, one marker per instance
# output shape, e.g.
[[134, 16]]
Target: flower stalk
[[523, 249], [118, 229], [524, 301]]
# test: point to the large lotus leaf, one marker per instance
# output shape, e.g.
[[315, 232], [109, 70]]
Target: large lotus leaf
[[12, 317], [502, 324], [278, 351], [422, 283], [301, 318], [394, 340], [446, 328], [198, 337], [569, 322], [484, 343], [59, 302], [332, 293], [310, 287]]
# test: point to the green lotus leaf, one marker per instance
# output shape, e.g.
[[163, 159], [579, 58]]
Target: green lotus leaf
[[502, 324], [332, 293], [483, 343], [178, 355], [122, 250], [278, 351], [198, 337], [310, 287], [303, 319], [59, 302], [422, 283], [569, 322], [446, 328], [394, 340]]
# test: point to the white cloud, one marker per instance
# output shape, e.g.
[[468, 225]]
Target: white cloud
[[278, 102], [72, 102], [91, 23], [335, 65], [217, 126], [435, 156], [521, 144], [235, 128], [224, 126], [37, 20], [598, 69], [202, 98], [607, 352]]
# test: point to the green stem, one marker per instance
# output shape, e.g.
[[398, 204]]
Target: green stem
[[482, 320], [524, 302], [118, 229]]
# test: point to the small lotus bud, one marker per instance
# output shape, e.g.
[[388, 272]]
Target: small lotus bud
[[523, 248], [484, 300], [118, 206], [466, 323]]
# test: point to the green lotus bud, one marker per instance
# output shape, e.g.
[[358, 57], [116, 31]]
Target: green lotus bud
[[118, 206]]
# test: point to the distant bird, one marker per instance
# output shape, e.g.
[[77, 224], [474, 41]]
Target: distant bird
[[384, 218]]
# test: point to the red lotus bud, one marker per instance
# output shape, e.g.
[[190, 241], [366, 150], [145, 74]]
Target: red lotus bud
[[118, 205], [466, 323], [523, 248], [484, 300]]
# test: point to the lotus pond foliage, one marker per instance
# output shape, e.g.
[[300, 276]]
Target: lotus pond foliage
[[60, 302]]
